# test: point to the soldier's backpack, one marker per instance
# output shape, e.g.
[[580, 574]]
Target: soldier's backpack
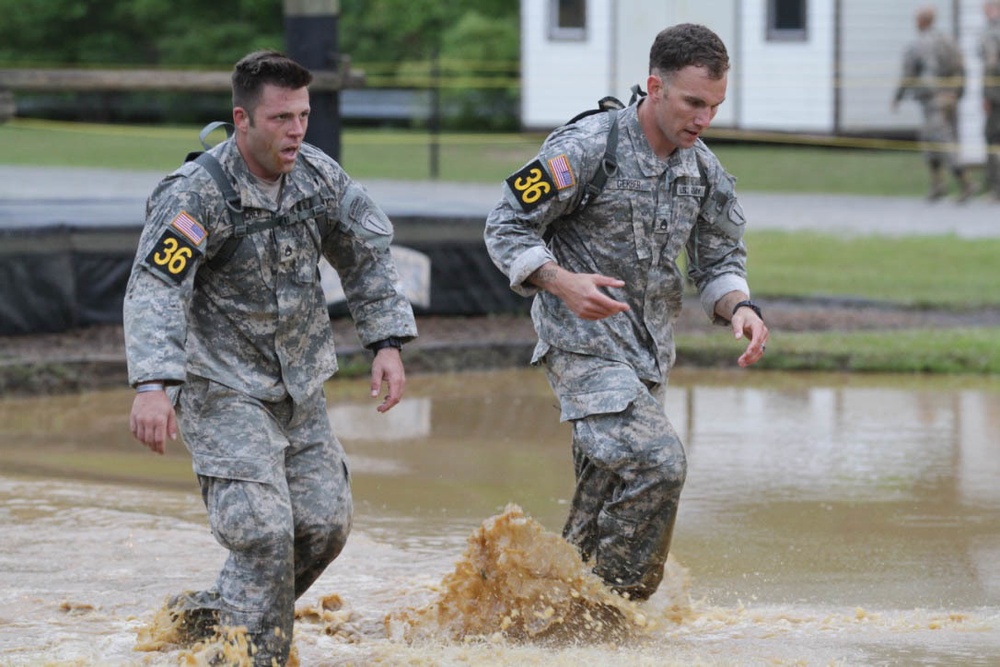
[[311, 208], [609, 163]]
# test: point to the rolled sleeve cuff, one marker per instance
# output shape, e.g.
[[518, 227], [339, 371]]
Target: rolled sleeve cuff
[[717, 289], [529, 262]]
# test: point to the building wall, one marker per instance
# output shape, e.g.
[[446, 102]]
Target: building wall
[[780, 86], [874, 36], [562, 78], [638, 23], [786, 85]]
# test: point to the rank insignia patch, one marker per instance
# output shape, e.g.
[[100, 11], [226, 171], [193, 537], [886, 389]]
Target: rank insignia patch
[[189, 227], [532, 185], [173, 255], [562, 172]]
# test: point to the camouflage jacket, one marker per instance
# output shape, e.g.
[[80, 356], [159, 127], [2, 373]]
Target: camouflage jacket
[[259, 323], [650, 211], [932, 66]]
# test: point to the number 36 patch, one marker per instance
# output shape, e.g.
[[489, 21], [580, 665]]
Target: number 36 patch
[[172, 255], [532, 185]]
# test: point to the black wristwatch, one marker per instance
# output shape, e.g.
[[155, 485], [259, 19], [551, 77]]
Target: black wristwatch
[[748, 304], [391, 341]]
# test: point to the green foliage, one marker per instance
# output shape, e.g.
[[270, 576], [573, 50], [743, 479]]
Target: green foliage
[[398, 31], [136, 32], [476, 42]]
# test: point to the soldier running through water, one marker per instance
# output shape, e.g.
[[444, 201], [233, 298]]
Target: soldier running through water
[[608, 286], [225, 318]]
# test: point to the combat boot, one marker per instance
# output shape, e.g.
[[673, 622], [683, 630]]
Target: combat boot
[[194, 621]]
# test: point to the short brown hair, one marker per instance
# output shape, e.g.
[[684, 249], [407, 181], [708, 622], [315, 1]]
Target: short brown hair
[[256, 69], [688, 44]]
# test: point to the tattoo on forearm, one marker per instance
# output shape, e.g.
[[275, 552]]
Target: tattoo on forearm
[[544, 275]]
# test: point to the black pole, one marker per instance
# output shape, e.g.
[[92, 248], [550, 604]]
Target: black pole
[[435, 119], [311, 40]]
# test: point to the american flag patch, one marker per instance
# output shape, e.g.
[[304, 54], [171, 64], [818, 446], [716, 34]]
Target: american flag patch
[[561, 172], [189, 227]]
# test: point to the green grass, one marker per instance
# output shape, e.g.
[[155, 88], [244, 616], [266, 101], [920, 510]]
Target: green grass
[[944, 351], [474, 158], [942, 272]]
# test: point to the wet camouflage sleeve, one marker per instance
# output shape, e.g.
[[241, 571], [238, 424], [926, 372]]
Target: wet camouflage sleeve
[[171, 247], [533, 197], [716, 253], [358, 248]]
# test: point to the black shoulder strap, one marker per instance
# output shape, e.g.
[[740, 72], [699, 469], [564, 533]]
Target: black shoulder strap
[[312, 208], [233, 203], [608, 166], [609, 163]]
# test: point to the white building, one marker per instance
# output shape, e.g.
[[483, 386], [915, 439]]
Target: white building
[[827, 67]]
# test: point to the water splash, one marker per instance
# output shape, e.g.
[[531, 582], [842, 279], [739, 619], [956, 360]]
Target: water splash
[[171, 629], [518, 582]]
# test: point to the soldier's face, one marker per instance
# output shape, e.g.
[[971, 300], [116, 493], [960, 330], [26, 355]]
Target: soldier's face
[[269, 140], [684, 105]]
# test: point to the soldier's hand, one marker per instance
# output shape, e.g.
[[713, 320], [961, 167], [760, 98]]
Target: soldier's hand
[[746, 323], [387, 368], [153, 420], [581, 292]]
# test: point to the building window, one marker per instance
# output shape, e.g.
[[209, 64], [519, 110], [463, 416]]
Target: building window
[[786, 20], [567, 19]]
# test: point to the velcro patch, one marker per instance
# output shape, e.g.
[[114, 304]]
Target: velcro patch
[[532, 185], [173, 254], [687, 190], [562, 172], [189, 227]]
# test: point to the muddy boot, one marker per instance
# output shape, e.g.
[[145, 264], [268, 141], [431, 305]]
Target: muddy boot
[[195, 620]]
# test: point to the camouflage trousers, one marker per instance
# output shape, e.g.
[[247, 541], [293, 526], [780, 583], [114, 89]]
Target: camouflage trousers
[[992, 132], [630, 468], [275, 482], [939, 132]]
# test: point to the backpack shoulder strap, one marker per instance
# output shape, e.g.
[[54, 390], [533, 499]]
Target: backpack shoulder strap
[[608, 165], [233, 203]]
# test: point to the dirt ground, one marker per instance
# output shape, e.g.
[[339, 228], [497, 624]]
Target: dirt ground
[[94, 356]]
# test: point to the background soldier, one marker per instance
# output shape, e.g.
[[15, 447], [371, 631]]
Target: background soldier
[[989, 50], [934, 75], [608, 288], [225, 310]]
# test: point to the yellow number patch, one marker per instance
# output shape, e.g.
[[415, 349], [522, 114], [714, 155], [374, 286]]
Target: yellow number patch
[[172, 255], [532, 185]]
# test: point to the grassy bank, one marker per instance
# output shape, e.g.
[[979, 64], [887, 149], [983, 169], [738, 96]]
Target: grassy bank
[[945, 273]]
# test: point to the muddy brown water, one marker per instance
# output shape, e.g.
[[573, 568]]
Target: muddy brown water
[[827, 520]]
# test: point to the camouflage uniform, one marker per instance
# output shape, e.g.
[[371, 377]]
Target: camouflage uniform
[[934, 76], [246, 347], [610, 375], [990, 53]]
